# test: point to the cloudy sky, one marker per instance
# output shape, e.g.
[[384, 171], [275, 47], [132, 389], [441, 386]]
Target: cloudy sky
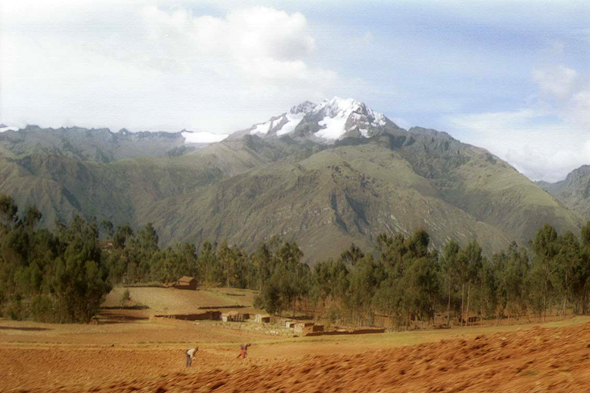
[[513, 77]]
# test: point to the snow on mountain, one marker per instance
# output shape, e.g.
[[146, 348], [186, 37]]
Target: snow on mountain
[[285, 123], [294, 117], [330, 120], [335, 116], [202, 137], [4, 128], [341, 115]]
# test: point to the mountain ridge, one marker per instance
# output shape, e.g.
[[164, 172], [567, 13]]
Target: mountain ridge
[[573, 191], [323, 192]]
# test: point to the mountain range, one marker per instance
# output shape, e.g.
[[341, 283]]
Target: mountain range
[[323, 174]]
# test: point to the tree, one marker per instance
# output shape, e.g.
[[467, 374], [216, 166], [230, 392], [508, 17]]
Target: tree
[[545, 247], [123, 233], [108, 227], [586, 234], [567, 262], [422, 287], [352, 255], [147, 239], [469, 263], [32, 216], [364, 280], [8, 210], [449, 265], [513, 269]]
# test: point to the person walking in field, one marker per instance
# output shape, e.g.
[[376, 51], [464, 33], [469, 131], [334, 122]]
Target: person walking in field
[[190, 356], [243, 351]]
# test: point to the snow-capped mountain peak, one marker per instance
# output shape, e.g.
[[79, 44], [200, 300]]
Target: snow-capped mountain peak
[[328, 121], [285, 123], [304, 107], [339, 105]]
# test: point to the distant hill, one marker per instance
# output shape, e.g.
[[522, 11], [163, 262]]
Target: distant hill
[[324, 175], [574, 191], [100, 145]]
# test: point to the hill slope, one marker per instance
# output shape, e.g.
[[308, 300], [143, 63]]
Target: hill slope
[[574, 191], [322, 192]]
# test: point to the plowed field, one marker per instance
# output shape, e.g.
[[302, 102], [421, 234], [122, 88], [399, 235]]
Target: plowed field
[[551, 359]]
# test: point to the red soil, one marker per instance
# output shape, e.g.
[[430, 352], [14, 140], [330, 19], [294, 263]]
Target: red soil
[[537, 360]]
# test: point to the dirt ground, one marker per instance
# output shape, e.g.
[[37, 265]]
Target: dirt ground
[[148, 356], [130, 350]]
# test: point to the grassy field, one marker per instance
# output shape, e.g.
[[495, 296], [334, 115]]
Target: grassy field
[[178, 301]]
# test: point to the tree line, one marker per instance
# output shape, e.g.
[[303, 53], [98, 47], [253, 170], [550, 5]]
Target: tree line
[[408, 281], [64, 274], [57, 276]]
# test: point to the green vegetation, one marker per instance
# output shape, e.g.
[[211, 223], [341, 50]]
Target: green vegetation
[[408, 282], [245, 190], [49, 277], [403, 281], [125, 298], [573, 192], [63, 276]]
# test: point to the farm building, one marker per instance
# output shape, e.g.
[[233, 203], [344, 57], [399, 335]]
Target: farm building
[[186, 282], [232, 316], [262, 318], [304, 327]]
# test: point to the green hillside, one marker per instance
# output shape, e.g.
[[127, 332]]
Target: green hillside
[[574, 191], [245, 190], [100, 145]]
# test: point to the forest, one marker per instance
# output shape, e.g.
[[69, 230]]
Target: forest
[[63, 275]]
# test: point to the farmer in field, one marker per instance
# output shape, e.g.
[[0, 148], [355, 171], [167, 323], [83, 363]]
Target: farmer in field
[[190, 356], [243, 351]]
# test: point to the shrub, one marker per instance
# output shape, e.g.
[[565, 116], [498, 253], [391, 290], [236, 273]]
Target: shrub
[[125, 297]]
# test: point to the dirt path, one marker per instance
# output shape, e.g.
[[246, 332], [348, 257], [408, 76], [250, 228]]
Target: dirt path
[[537, 360]]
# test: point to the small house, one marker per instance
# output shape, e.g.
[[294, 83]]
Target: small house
[[262, 318], [186, 282], [232, 316], [304, 327]]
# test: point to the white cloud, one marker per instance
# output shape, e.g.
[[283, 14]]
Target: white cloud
[[144, 65], [557, 82], [544, 141], [540, 147], [243, 36], [578, 110]]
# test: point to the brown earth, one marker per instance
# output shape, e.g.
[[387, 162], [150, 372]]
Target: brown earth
[[551, 359], [178, 301]]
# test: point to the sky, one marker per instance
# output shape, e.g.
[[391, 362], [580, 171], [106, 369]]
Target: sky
[[509, 76]]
